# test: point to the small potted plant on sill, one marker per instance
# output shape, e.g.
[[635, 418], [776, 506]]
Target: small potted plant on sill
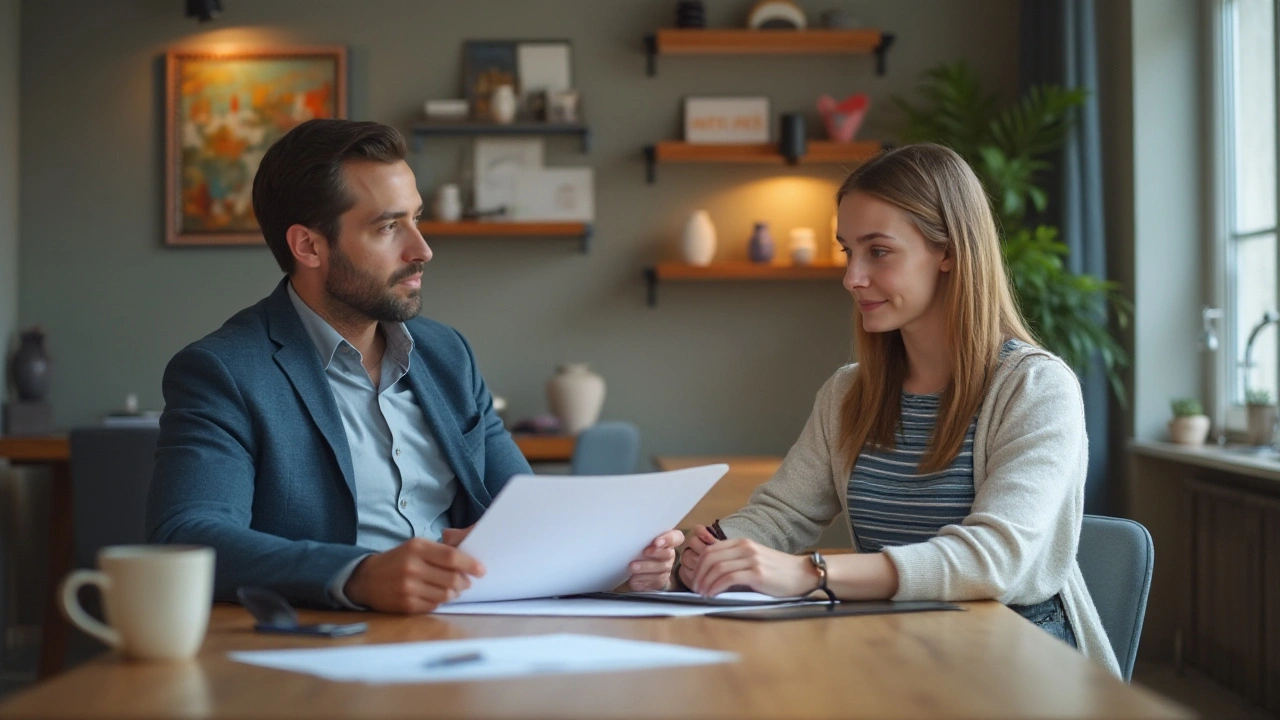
[[1261, 422], [1189, 426]]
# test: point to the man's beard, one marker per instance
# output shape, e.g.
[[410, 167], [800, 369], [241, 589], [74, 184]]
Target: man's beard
[[368, 296]]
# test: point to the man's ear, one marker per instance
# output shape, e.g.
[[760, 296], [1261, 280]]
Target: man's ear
[[305, 244]]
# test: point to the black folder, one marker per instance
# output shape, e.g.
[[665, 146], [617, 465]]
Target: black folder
[[826, 610]]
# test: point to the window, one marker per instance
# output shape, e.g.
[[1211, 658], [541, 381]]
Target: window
[[1247, 195]]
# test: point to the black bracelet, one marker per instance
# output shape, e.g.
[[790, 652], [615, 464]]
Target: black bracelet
[[820, 564]]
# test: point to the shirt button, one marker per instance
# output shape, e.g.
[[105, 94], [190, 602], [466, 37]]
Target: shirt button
[[404, 504], [397, 452]]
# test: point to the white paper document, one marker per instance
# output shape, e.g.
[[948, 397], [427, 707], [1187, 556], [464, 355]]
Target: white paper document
[[481, 658], [552, 535], [601, 607]]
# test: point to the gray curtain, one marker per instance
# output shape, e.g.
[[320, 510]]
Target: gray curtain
[[1058, 45]]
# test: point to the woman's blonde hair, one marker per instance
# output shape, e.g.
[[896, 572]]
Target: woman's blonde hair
[[940, 195]]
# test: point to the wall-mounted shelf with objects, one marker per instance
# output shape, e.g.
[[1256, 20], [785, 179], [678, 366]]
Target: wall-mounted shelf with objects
[[735, 271], [815, 152], [688, 41], [431, 228], [421, 130]]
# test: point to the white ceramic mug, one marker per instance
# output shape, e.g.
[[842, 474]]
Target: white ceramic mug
[[156, 599]]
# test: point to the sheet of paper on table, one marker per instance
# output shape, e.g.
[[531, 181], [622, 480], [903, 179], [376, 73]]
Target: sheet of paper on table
[[556, 535], [481, 658], [605, 607]]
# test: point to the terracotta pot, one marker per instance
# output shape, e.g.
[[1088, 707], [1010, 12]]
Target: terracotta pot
[[575, 396], [1189, 429]]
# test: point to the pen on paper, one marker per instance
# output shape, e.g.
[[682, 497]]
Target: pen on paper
[[716, 531], [451, 660]]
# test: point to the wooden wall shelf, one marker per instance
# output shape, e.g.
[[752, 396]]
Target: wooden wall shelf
[[473, 228], [421, 130], [735, 271], [742, 41], [817, 151]]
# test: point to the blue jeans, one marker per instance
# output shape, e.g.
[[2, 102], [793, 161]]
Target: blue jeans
[[1049, 616]]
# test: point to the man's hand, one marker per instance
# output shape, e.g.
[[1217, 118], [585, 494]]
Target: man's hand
[[652, 570], [413, 577], [453, 537]]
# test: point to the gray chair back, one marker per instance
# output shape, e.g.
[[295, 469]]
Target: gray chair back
[[1116, 557], [110, 474], [606, 448]]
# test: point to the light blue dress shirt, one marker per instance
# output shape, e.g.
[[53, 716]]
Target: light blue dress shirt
[[404, 485]]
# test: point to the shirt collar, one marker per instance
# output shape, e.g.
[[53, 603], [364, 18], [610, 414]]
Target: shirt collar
[[327, 340]]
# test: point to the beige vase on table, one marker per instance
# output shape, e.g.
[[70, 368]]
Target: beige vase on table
[[575, 396]]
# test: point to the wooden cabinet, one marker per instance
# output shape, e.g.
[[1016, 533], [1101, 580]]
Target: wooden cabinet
[[1235, 589]]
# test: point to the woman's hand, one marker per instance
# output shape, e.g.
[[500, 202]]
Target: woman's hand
[[727, 563], [691, 553]]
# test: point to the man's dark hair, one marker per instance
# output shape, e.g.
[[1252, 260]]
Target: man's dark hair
[[300, 181]]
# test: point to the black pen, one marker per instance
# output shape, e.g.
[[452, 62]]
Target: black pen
[[716, 531], [451, 660]]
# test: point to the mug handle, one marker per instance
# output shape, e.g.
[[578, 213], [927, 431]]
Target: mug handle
[[77, 615]]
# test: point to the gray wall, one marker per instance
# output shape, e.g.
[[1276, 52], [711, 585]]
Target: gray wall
[[9, 19], [715, 368]]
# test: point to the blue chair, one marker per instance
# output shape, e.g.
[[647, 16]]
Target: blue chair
[[1116, 557], [607, 448]]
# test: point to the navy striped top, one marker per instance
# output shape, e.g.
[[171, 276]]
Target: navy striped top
[[890, 502]]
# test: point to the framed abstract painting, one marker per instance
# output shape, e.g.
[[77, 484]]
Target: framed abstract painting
[[222, 112]]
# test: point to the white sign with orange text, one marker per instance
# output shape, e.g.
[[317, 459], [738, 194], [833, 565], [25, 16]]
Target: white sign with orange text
[[726, 120]]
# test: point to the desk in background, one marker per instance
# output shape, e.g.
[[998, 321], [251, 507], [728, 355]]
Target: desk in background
[[54, 451], [985, 662]]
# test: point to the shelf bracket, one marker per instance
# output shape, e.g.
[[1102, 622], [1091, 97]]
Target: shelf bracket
[[651, 280], [586, 140], [651, 50], [586, 238], [886, 42], [650, 163]]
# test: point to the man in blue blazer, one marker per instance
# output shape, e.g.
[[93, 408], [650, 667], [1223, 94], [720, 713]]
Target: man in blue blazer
[[327, 442]]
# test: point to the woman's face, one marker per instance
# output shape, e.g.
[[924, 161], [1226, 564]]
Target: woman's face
[[894, 275]]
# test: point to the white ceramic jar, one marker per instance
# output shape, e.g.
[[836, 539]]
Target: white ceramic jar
[[575, 396]]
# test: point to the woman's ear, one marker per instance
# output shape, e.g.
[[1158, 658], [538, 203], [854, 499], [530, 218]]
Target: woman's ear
[[304, 244], [947, 260]]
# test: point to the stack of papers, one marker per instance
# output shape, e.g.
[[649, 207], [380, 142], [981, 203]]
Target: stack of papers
[[640, 604], [481, 659]]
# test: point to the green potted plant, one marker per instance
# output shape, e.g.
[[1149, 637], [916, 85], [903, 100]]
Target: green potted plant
[[1261, 421], [1189, 426], [1006, 147]]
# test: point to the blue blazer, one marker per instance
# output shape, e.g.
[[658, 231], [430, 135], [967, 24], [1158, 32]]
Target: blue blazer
[[253, 461]]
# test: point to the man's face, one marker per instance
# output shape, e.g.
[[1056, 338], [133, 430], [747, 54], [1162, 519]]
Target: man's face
[[375, 264]]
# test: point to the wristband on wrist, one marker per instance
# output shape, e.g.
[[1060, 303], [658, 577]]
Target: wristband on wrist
[[820, 565]]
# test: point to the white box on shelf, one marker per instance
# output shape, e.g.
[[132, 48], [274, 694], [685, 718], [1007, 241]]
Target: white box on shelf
[[726, 120], [555, 194], [445, 109], [496, 162]]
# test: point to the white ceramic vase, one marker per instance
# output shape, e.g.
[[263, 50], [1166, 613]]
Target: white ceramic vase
[[803, 246], [575, 396], [1189, 429], [698, 244], [502, 104], [448, 205]]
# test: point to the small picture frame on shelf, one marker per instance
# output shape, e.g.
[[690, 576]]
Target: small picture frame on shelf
[[535, 69], [563, 107], [543, 67], [486, 65], [726, 120]]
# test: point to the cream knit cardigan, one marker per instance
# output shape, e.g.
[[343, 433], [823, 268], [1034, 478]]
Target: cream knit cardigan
[[1018, 544]]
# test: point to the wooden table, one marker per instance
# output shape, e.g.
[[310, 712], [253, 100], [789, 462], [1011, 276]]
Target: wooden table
[[54, 451], [986, 662], [746, 473]]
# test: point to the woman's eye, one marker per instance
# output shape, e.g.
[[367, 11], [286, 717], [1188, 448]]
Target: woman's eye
[[878, 252]]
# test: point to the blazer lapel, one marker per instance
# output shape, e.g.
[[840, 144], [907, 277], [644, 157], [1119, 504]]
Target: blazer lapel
[[444, 425], [297, 358]]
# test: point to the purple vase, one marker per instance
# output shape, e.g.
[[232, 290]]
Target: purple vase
[[760, 249], [30, 367]]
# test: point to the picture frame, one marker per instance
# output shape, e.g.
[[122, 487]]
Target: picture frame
[[222, 111], [535, 69]]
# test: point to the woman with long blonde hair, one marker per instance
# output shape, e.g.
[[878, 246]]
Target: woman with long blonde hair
[[954, 447]]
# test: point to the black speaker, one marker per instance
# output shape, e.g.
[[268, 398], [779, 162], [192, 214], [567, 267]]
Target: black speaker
[[791, 140]]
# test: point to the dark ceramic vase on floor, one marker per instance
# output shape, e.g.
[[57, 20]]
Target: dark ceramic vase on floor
[[30, 367]]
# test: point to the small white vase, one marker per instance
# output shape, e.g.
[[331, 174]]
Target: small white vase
[[448, 203], [698, 243], [575, 396], [502, 104], [803, 246], [1189, 429]]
